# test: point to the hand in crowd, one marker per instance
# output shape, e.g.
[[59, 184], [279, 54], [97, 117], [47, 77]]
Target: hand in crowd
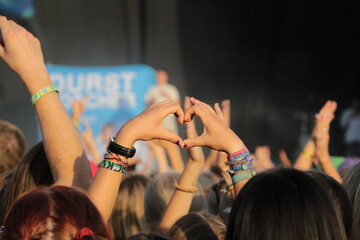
[[216, 134], [22, 53], [148, 125]]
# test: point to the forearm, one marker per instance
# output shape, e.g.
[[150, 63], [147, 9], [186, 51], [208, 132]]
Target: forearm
[[64, 150], [328, 167], [305, 159], [104, 188], [180, 202]]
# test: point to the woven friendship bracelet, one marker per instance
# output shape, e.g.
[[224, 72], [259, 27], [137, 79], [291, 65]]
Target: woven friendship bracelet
[[246, 159], [117, 158], [243, 176], [113, 166], [39, 94], [236, 154]]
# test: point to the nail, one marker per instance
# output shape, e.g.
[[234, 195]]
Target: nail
[[184, 145], [178, 142]]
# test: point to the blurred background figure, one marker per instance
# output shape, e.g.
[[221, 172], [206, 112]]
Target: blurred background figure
[[350, 123], [164, 91]]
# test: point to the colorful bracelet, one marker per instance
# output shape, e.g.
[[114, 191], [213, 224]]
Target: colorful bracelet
[[188, 190], [39, 94], [306, 154], [113, 166], [117, 158], [236, 154], [244, 175]]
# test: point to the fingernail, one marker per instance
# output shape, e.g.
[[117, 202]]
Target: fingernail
[[184, 145], [178, 142]]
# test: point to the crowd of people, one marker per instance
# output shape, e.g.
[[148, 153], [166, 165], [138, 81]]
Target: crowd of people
[[54, 191]]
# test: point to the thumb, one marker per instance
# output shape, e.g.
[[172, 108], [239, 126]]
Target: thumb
[[193, 142], [169, 136]]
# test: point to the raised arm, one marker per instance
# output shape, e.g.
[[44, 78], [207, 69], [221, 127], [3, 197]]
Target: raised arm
[[22, 53], [218, 136], [146, 126], [180, 202], [322, 138]]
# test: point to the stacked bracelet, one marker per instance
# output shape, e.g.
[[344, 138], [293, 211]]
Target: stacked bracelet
[[113, 166], [39, 94], [117, 158], [240, 165]]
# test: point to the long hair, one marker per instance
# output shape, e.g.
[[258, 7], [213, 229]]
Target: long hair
[[127, 217], [32, 171], [351, 183], [338, 193], [284, 204], [56, 212]]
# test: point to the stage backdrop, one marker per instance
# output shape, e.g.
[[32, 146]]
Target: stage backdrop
[[116, 94]]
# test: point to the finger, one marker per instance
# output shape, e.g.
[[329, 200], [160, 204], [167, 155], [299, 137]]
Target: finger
[[187, 103], [193, 142], [218, 111], [226, 110], [175, 109], [4, 27], [197, 110], [325, 108], [196, 101], [168, 135], [85, 99]]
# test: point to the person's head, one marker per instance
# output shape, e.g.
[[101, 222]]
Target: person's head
[[56, 212], [351, 183], [128, 214], [198, 226], [12, 146], [162, 77], [158, 194], [339, 195], [284, 204], [32, 171]]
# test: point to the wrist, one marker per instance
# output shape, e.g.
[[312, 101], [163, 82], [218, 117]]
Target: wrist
[[35, 83], [234, 145]]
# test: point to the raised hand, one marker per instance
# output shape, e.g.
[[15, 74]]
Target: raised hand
[[216, 134], [148, 125], [21, 51]]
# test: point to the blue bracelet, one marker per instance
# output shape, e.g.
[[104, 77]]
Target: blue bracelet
[[243, 176]]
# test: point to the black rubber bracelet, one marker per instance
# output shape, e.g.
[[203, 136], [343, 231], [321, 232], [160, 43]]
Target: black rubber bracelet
[[120, 150]]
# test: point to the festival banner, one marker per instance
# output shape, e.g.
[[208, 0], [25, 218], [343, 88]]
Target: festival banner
[[115, 94]]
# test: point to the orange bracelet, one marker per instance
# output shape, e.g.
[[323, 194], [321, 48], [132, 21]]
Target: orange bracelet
[[188, 190]]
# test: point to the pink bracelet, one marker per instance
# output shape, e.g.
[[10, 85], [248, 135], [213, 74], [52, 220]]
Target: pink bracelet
[[235, 154]]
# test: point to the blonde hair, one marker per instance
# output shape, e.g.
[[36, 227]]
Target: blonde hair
[[128, 214], [12, 146], [198, 225], [158, 194]]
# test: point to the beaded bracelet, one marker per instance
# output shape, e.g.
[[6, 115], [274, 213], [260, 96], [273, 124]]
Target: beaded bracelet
[[113, 166], [188, 190], [39, 94]]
